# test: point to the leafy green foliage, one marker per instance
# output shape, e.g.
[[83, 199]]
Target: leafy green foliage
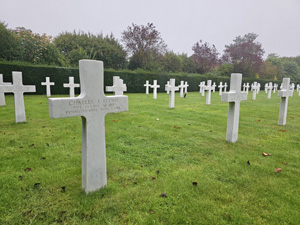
[[82, 45], [145, 45], [8, 43]]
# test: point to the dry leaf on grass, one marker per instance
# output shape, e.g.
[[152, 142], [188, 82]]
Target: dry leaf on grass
[[278, 170], [266, 154]]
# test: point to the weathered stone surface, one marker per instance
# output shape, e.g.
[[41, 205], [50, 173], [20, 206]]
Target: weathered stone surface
[[234, 97], [92, 105]]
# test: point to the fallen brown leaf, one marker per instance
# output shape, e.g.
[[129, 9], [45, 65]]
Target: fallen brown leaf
[[115, 120], [278, 170], [266, 154], [282, 130], [27, 169], [284, 163]]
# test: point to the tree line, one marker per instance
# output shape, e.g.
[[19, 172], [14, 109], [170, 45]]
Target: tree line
[[142, 47]]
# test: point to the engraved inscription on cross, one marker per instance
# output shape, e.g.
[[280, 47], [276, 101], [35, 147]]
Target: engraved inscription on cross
[[284, 93], [18, 89], [72, 86], [234, 97], [48, 84], [92, 105], [2, 96]]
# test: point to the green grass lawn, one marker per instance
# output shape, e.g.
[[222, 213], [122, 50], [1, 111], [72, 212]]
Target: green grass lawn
[[152, 150]]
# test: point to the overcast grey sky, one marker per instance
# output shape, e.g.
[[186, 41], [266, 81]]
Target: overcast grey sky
[[181, 23]]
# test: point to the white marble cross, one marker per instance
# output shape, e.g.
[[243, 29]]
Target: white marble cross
[[167, 85], [18, 89], [258, 84], [202, 88], [147, 85], [292, 87], [225, 87], [266, 88], [72, 86], [155, 86], [214, 87], [275, 87], [220, 88], [298, 88], [208, 88], [181, 86], [284, 93], [48, 84], [254, 88], [172, 88], [234, 97], [244, 87], [247, 87], [269, 89], [92, 105], [2, 96], [185, 87], [118, 86]]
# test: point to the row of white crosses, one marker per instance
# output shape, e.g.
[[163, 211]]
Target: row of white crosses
[[118, 87], [92, 105], [155, 86], [18, 89], [235, 96], [182, 87]]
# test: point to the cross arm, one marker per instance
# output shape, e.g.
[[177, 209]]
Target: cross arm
[[285, 93], [232, 96]]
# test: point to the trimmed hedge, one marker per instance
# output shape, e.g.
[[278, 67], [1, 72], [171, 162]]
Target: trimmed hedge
[[35, 74]]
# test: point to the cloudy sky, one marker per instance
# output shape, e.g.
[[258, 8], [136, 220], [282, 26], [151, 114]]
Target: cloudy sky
[[181, 22]]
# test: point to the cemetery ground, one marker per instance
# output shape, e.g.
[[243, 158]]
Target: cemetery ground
[[164, 166]]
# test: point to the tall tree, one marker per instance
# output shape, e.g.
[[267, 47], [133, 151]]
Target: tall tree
[[145, 46], [82, 45], [205, 57], [8, 43], [245, 54]]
